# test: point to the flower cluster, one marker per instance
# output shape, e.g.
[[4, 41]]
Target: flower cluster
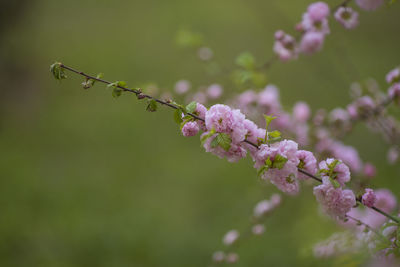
[[334, 200], [277, 161], [314, 27]]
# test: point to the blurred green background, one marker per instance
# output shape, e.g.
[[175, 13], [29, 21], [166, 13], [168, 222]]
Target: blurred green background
[[88, 180]]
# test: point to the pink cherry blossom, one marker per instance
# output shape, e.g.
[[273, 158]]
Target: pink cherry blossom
[[341, 170], [369, 198], [190, 128], [307, 162], [336, 202], [347, 17]]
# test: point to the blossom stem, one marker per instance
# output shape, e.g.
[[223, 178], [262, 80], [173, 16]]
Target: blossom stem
[[138, 92], [310, 175], [385, 214]]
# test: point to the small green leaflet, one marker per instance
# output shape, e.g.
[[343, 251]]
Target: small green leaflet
[[301, 164], [262, 170], [274, 136], [117, 83], [268, 120], [334, 182], [178, 116], [279, 162], [206, 136], [266, 167], [332, 167], [152, 105], [223, 140], [191, 107], [57, 71], [88, 83], [214, 142], [116, 92]]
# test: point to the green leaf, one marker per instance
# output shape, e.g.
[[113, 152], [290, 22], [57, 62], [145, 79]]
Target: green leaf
[[117, 83], [301, 164], [262, 170], [88, 83], [214, 142], [246, 60], [279, 161], [224, 141], [334, 183], [116, 92], [268, 162], [121, 83], [178, 116], [191, 107], [333, 164], [332, 167], [268, 120], [57, 71], [266, 167], [221, 139], [274, 136], [152, 105], [206, 136]]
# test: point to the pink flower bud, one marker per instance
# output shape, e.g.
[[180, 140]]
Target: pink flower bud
[[369, 198]]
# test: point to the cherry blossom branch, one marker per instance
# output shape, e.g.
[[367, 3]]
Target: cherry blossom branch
[[141, 95], [138, 91]]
